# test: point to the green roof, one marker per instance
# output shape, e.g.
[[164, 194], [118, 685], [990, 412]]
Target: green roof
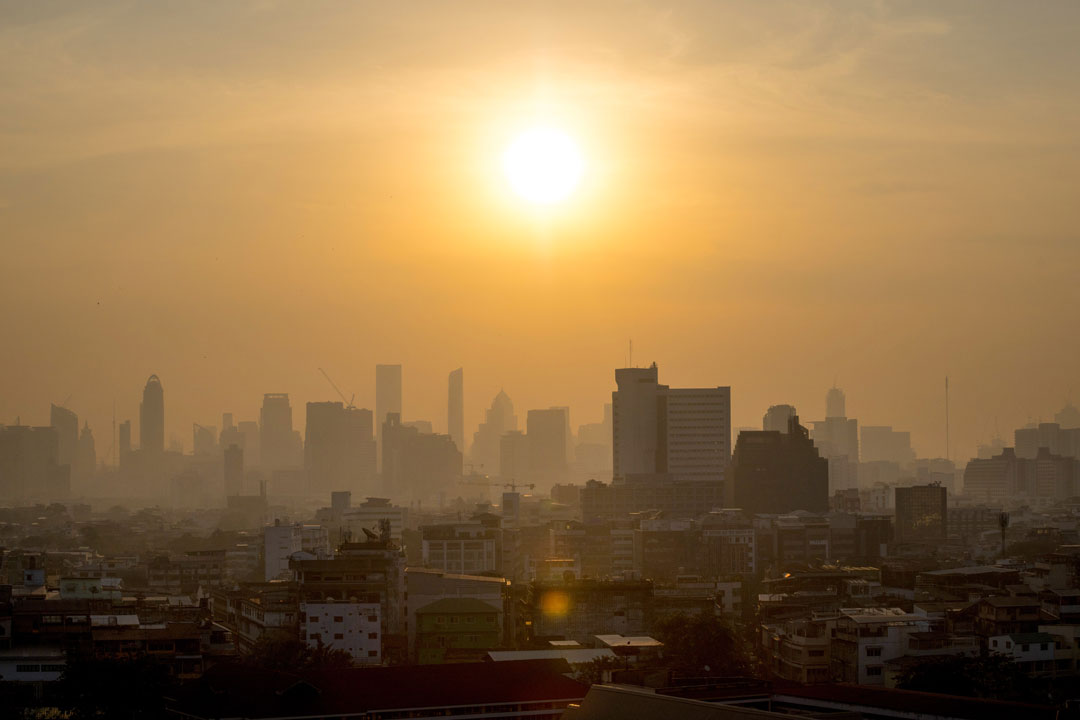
[[457, 606]]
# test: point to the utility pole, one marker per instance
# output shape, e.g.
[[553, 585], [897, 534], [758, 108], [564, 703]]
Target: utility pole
[[947, 417]]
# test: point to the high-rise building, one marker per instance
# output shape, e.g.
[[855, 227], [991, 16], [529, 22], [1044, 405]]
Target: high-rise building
[[82, 471], [514, 456], [683, 433], [835, 403], [880, 443], [152, 418], [455, 409], [67, 432], [28, 464], [234, 470], [1052, 436], [546, 431], [775, 472], [777, 418], [125, 439], [339, 448], [418, 466], [499, 419], [203, 439], [922, 513], [387, 400], [279, 445]]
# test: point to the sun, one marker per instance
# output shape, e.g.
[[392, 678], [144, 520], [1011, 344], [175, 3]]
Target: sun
[[543, 166]]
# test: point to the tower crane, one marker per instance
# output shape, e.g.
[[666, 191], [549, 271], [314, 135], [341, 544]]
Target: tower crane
[[348, 403]]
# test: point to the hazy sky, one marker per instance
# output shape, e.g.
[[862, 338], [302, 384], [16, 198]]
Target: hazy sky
[[233, 194]]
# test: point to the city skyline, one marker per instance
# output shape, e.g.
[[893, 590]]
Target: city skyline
[[860, 183]]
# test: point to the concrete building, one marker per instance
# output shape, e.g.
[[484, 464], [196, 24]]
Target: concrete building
[[864, 639], [548, 435], [777, 418], [152, 418], [684, 433], [280, 543], [468, 548], [339, 448], [456, 630], [234, 470], [426, 586], [66, 424], [776, 472], [880, 443], [387, 401], [455, 409], [279, 444], [352, 627], [499, 419], [29, 466], [922, 514], [417, 466]]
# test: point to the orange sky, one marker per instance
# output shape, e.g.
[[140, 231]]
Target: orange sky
[[778, 195]]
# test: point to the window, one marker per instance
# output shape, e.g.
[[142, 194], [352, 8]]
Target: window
[[373, 618], [873, 652], [1045, 646], [372, 653], [872, 671], [338, 618], [817, 653], [52, 668], [373, 636], [339, 636], [315, 636], [1024, 647], [27, 668]]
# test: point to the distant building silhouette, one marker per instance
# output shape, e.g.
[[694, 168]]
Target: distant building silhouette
[[424, 427], [203, 440], [234, 470], [125, 439], [1052, 436], [1068, 417], [455, 408], [547, 432], [514, 456], [922, 513], [82, 471], [880, 443], [775, 472], [486, 448], [418, 466], [684, 433], [279, 444], [152, 418], [1009, 478], [837, 439], [66, 423], [387, 400], [29, 467], [777, 418], [592, 454], [339, 448]]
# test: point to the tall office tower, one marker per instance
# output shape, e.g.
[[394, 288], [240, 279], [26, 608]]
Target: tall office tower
[[85, 456], [546, 431], [249, 430], [775, 472], [230, 433], [1068, 417], [835, 404], [499, 420], [152, 418], [339, 450], [67, 431], [514, 456], [234, 470], [455, 409], [922, 513], [683, 432], [28, 464], [777, 418], [387, 400], [277, 443], [418, 466], [880, 443], [125, 439], [203, 439]]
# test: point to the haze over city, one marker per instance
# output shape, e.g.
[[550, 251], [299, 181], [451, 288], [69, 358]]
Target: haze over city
[[539, 360], [776, 198]]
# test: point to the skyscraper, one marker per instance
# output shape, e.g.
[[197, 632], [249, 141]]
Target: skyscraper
[[455, 409], [775, 472], [835, 405], [85, 464], [279, 446], [339, 448], [546, 431], [682, 432], [837, 438], [234, 470], [499, 419], [387, 400], [922, 513], [152, 418], [777, 418], [67, 432]]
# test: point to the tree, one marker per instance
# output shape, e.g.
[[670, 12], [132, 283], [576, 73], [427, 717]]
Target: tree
[[133, 688], [592, 672], [292, 655], [995, 677], [702, 644]]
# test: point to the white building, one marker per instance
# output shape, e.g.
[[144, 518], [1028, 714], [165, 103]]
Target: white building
[[279, 543], [468, 548], [866, 638], [352, 627], [682, 432], [1034, 652]]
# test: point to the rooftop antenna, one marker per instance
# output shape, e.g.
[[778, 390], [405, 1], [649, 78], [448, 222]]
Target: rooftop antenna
[[946, 417], [630, 362]]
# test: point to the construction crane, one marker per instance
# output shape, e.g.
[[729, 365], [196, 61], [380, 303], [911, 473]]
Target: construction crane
[[348, 403], [514, 486]]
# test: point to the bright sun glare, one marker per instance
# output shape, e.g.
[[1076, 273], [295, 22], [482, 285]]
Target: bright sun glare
[[543, 166]]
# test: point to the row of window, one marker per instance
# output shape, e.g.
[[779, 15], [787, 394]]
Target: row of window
[[38, 668]]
